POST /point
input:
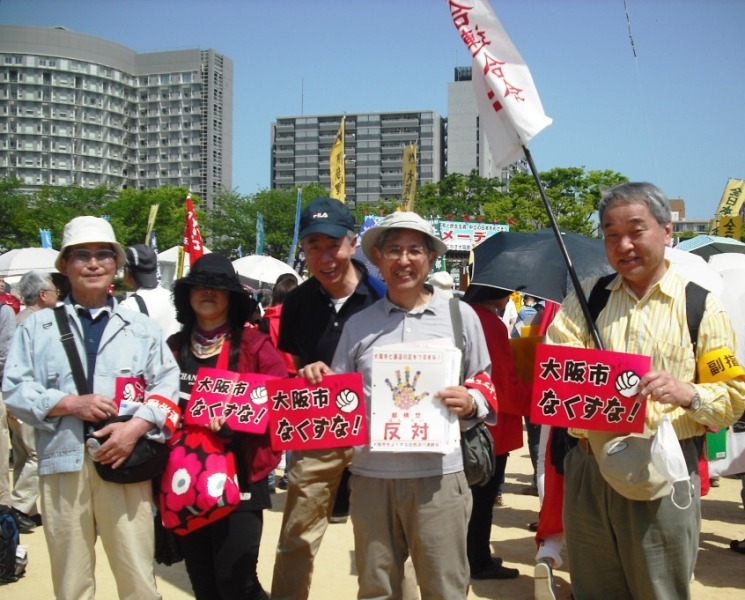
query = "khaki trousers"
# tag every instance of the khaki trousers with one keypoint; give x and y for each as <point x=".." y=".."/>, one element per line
<point x="77" y="508"/>
<point x="25" y="467"/>
<point x="312" y="482"/>
<point x="426" y="518"/>
<point x="4" y="455"/>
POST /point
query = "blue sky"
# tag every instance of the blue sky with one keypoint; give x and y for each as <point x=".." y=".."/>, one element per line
<point x="674" y="115"/>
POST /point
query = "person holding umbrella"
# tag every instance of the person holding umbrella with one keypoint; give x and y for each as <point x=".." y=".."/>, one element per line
<point x="619" y="547"/>
<point x="514" y="401"/>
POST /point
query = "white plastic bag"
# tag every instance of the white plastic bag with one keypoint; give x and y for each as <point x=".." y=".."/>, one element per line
<point x="667" y="458"/>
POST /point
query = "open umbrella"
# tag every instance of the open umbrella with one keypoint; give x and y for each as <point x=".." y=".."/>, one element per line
<point x="259" y="270"/>
<point x="696" y="269"/>
<point x="16" y="263"/>
<point x="168" y="263"/>
<point x="531" y="262"/>
<point x="731" y="268"/>
<point x="708" y="245"/>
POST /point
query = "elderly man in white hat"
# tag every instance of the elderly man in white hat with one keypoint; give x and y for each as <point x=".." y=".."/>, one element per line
<point x="119" y="350"/>
<point x="411" y="503"/>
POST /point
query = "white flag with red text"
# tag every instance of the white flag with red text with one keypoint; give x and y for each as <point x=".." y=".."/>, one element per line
<point x="510" y="110"/>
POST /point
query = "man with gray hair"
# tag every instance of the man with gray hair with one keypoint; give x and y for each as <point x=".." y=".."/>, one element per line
<point x="411" y="503"/>
<point x="313" y="317"/>
<point x="37" y="292"/>
<point x="120" y="350"/>
<point x="619" y="546"/>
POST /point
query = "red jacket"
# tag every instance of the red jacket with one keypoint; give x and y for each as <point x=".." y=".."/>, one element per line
<point x="513" y="395"/>
<point x="257" y="355"/>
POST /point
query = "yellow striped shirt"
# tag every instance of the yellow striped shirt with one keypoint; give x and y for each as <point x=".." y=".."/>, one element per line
<point x="656" y="326"/>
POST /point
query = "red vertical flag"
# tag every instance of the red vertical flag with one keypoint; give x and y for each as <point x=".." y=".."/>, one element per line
<point x="193" y="245"/>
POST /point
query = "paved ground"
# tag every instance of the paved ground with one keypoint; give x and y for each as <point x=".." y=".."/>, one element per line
<point x="720" y="573"/>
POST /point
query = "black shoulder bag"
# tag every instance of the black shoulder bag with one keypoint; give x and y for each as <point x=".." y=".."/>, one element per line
<point x="476" y="443"/>
<point x="148" y="458"/>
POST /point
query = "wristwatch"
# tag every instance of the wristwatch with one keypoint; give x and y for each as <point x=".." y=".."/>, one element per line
<point x="695" y="402"/>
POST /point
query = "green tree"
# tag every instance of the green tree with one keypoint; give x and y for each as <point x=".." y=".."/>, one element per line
<point x="17" y="228"/>
<point x="458" y="195"/>
<point x="232" y="221"/>
<point x="130" y="210"/>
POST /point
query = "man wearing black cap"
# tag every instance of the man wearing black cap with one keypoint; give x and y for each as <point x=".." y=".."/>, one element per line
<point x="313" y="316"/>
<point x="141" y="274"/>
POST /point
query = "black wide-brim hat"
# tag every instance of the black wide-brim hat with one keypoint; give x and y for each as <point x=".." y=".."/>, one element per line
<point x="216" y="272"/>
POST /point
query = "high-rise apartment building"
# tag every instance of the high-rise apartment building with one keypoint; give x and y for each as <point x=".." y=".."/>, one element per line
<point x="374" y="144"/>
<point x="467" y="146"/>
<point x="77" y="109"/>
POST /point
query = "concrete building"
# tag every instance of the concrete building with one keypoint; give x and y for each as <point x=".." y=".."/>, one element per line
<point x="77" y="109"/>
<point x="467" y="147"/>
<point x="679" y="221"/>
<point x="374" y="144"/>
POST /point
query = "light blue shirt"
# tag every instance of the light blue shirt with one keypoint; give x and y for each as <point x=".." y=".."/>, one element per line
<point x="38" y="376"/>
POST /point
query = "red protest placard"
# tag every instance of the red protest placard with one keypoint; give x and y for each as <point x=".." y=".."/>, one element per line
<point x="239" y="397"/>
<point x="588" y="389"/>
<point x="304" y="416"/>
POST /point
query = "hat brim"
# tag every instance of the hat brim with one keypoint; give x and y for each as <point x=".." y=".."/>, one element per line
<point x="334" y="231"/>
<point x="484" y="293"/>
<point x="121" y="257"/>
<point x="371" y="236"/>
<point x="242" y="304"/>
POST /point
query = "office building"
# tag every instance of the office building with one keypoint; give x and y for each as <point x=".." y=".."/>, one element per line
<point x="77" y="109"/>
<point x="374" y="144"/>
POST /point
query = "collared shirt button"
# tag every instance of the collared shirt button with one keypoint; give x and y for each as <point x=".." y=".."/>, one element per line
<point x="408" y="330"/>
<point x="336" y="323"/>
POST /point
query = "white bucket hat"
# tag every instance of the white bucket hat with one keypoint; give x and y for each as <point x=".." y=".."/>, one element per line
<point x="401" y="220"/>
<point x="89" y="230"/>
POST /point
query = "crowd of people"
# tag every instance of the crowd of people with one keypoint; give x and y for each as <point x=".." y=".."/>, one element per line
<point x="70" y="360"/>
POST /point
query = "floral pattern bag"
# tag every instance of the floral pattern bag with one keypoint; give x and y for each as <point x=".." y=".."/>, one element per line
<point x="199" y="485"/>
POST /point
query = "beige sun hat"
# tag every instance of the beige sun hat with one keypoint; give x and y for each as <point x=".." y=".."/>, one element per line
<point x="89" y="230"/>
<point x="401" y="220"/>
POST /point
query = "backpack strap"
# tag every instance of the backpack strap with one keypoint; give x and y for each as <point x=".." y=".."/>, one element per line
<point x="695" y="307"/>
<point x="68" y="343"/>
<point x="599" y="296"/>
<point x="695" y="304"/>
<point x="141" y="304"/>
<point x="457" y="321"/>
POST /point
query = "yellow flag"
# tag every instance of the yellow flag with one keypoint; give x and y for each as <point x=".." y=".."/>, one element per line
<point x="338" y="175"/>
<point x="151" y="222"/>
<point x="408" y="189"/>
<point x="730" y="204"/>
<point x="730" y="227"/>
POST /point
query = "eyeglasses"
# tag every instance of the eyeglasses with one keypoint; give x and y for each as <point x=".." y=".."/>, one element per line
<point x="396" y="252"/>
<point x="55" y="292"/>
<point x="84" y="255"/>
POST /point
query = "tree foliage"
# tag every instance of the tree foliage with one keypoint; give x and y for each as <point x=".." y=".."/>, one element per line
<point x="573" y="194"/>
<point x="232" y="222"/>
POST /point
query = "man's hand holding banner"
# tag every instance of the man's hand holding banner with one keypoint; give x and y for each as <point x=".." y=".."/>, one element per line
<point x="305" y="416"/>
<point x="588" y="389"/>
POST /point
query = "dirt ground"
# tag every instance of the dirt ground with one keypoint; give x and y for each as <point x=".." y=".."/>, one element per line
<point x="720" y="573"/>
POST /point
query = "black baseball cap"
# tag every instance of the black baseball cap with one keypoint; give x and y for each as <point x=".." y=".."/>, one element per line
<point x="327" y="216"/>
<point x="142" y="261"/>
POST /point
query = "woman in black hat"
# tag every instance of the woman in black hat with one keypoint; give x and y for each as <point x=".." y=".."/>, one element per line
<point x="214" y="309"/>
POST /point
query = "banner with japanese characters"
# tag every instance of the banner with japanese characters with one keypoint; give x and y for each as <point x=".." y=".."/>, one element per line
<point x="588" y="389"/>
<point x="239" y="397"/>
<point x="510" y="111"/>
<point x="305" y="416"/>
<point x="405" y="414"/>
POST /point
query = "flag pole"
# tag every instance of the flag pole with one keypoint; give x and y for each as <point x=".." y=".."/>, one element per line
<point x="567" y="259"/>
